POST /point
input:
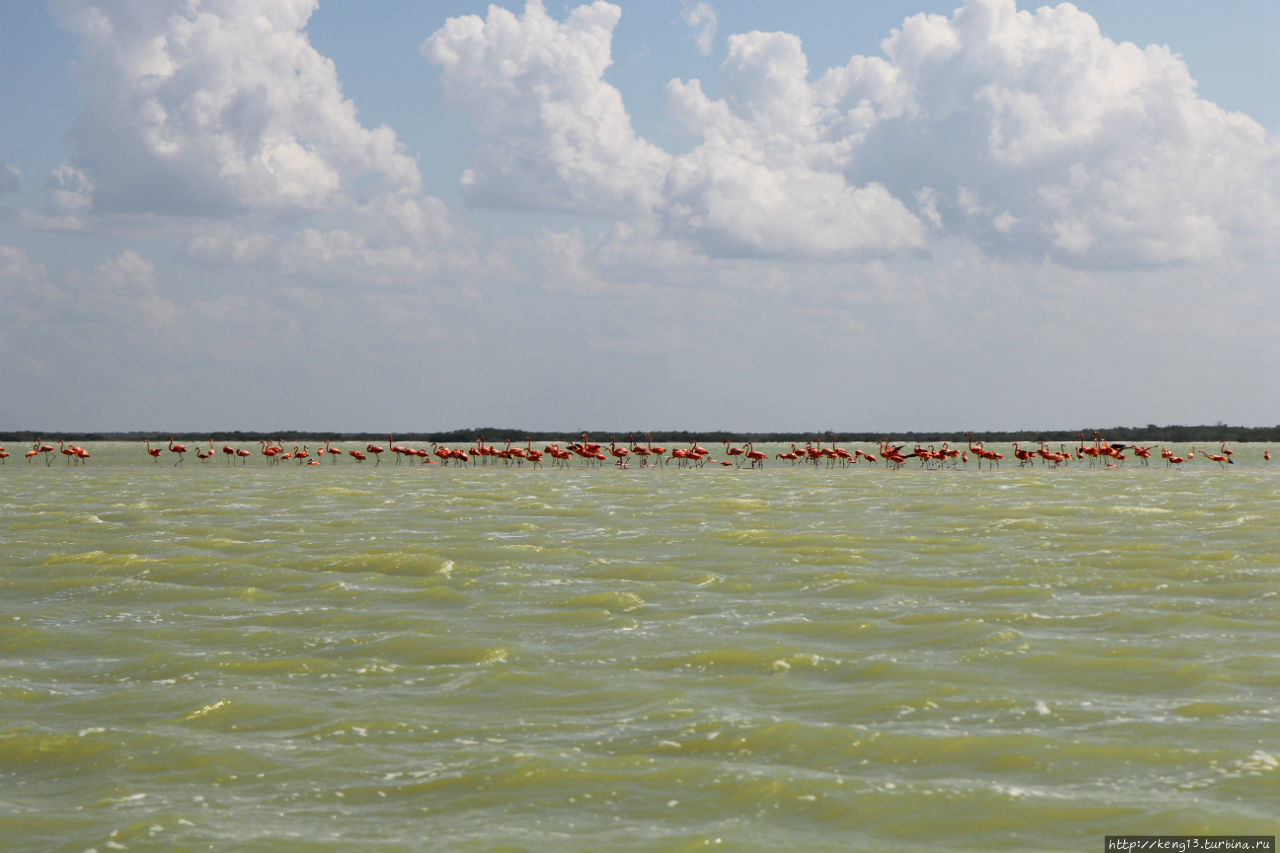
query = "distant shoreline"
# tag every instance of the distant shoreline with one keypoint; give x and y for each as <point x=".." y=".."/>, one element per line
<point x="1151" y="432"/>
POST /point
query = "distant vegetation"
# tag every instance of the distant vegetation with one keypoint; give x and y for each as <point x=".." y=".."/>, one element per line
<point x="1151" y="432"/>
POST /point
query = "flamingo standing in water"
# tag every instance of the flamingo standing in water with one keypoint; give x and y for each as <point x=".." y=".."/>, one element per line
<point x="154" y="451"/>
<point x="620" y="454"/>
<point x="46" y="449"/>
<point x="534" y="456"/>
<point x="333" y="452"/>
<point x="1222" y="460"/>
<point x="204" y="456"/>
<point x="4" y="454"/>
<point x="637" y="450"/>
<point x="244" y="456"/>
<point x="658" y="451"/>
<point x="229" y="452"/>
<point x="733" y="451"/>
<point x="271" y="451"/>
<point x="178" y="449"/>
<point x="377" y="450"/>
<point x="398" y="449"/>
<point x="757" y="457"/>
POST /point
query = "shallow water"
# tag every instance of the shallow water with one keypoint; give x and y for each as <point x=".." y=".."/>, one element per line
<point x="346" y="657"/>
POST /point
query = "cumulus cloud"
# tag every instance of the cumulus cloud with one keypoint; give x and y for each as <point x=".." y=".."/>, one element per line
<point x="123" y="290"/>
<point x="767" y="179"/>
<point x="217" y="106"/>
<point x="10" y="178"/>
<point x="701" y="18"/>
<point x="553" y="134"/>
<point x="1035" y="134"/>
<point x="17" y="270"/>
<point x="1026" y="133"/>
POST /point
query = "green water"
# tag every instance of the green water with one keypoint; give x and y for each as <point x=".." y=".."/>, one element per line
<point x="407" y="658"/>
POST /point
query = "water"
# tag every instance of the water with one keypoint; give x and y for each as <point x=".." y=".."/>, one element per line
<point x="395" y="658"/>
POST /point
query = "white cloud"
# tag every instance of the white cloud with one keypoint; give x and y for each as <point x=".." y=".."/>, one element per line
<point x="346" y="254"/>
<point x="218" y="106"/>
<point x="228" y="247"/>
<point x="1102" y="153"/>
<point x="17" y="270"/>
<point x="766" y="179"/>
<point x="553" y="134"/>
<point x="10" y="178"/>
<point x="701" y="18"/>
<point x="1027" y="133"/>
<point x="122" y="291"/>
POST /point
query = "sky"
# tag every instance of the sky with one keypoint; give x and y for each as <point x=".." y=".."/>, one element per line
<point x="739" y="215"/>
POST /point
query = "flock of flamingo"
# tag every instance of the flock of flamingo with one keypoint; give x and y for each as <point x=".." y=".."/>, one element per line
<point x="1098" y="453"/>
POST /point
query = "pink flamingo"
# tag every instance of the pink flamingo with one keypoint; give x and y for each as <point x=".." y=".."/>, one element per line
<point x="46" y="449"/>
<point x="618" y="453"/>
<point x="178" y="449"/>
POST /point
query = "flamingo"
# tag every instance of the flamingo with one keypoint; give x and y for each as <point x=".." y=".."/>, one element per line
<point x="559" y="454"/>
<point x="534" y="456"/>
<point x="733" y="451"/>
<point x="619" y="453"/>
<point x="659" y="451"/>
<point x="229" y="452"/>
<point x="757" y="457"/>
<point x="377" y="450"/>
<point x="991" y="457"/>
<point x="356" y="455"/>
<point x="4" y="454"/>
<point x="637" y="450"/>
<point x="178" y="449"/>
<point x="154" y="451"/>
<point x="1023" y="456"/>
<point x="1092" y="452"/>
<point x="46" y="449"/>
<point x="68" y="452"/>
<point x="1222" y="460"/>
<point x="271" y="451"/>
<point x="244" y="455"/>
<point x="333" y="452"/>
<point x="840" y="453"/>
<point x="204" y="456"/>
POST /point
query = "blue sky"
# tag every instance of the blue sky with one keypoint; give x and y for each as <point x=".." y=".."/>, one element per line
<point x="668" y="215"/>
